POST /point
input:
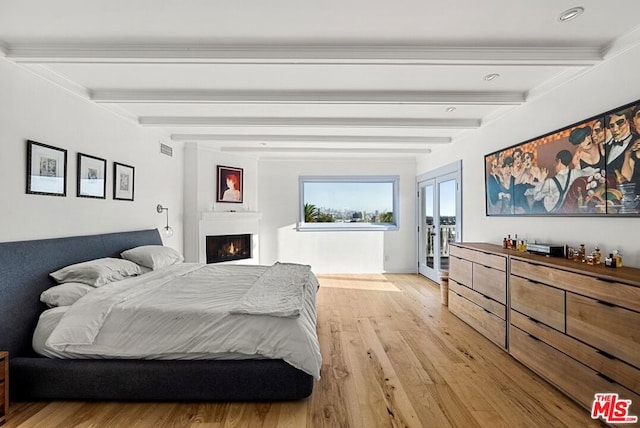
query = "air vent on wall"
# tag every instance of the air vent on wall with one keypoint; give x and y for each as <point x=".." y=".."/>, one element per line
<point x="166" y="150"/>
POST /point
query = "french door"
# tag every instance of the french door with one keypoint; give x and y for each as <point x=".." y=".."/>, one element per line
<point x="439" y="216"/>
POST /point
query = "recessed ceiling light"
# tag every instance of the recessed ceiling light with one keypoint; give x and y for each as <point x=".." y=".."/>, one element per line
<point x="570" y="14"/>
<point x="450" y="109"/>
<point x="490" y="77"/>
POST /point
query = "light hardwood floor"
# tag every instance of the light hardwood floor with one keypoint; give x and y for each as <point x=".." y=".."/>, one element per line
<point x="393" y="356"/>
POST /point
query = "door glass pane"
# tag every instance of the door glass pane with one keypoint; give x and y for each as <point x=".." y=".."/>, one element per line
<point x="427" y="225"/>
<point x="447" y="204"/>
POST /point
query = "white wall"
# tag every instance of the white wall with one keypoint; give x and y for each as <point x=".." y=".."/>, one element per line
<point x="200" y="190"/>
<point x="33" y="108"/>
<point x="606" y="86"/>
<point x="333" y="252"/>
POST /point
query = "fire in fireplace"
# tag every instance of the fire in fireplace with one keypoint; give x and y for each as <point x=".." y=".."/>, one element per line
<point x="223" y="248"/>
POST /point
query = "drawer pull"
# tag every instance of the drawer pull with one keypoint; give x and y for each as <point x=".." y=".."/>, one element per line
<point x="609" y="281"/>
<point x="607" y="378"/>
<point x="611" y="305"/>
<point x="533" y="320"/>
<point x="533" y="337"/>
<point x="486" y="310"/>
<point x="606" y="355"/>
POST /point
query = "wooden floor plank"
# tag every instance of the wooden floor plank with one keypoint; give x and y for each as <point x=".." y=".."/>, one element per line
<point x="392" y="356"/>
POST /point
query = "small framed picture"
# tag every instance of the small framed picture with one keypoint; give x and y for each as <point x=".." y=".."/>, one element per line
<point x="123" y="181"/>
<point x="46" y="169"/>
<point x="91" y="174"/>
<point x="229" y="184"/>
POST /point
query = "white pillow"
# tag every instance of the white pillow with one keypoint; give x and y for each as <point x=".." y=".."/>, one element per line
<point x="153" y="256"/>
<point x="98" y="272"/>
<point x="64" y="294"/>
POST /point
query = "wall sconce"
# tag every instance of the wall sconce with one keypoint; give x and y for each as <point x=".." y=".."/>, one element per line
<point x="166" y="231"/>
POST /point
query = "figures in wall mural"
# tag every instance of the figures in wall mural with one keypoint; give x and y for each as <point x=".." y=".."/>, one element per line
<point x="590" y="168"/>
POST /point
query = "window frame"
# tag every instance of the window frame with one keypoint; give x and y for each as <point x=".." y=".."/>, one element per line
<point x="393" y="179"/>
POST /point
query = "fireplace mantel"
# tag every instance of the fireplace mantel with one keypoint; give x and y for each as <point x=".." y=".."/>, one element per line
<point x="230" y="215"/>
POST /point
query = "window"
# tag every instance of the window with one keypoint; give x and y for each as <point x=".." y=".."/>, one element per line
<point x="349" y="203"/>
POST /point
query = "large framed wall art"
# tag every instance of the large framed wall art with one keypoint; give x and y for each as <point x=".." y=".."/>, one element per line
<point x="591" y="168"/>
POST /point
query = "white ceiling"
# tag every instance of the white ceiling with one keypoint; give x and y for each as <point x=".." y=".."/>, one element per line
<point x="292" y="76"/>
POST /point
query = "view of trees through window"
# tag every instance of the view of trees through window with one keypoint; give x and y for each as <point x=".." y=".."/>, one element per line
<point x="353" y="201"/>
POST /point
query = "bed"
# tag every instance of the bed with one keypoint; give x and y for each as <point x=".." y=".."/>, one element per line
<point x="24" y="274"/>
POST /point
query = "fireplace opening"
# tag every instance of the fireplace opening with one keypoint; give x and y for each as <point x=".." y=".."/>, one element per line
<point x="224" y="248"/>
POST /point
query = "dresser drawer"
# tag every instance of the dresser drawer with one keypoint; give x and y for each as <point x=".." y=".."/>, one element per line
<point x="611" y="329"/>
<point x="461" y="271"/>
<point x="621" y="372"/>
<point x="605" y="290"/>
<point x="487" y="259"/>
<point x="492" y="306"/>
<point x="490" y="282"/>
<point x="539" y="301"/>
<point x="575" y="379"/>
<point x="488" y="324"/>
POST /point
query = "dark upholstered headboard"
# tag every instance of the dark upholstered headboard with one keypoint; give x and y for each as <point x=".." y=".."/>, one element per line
<point x="24" y="274"/>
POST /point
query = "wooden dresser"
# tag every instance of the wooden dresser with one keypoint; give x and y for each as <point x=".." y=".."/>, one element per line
<point x="575" y="325"/>
<point x="478" y="289"/>
<point x="4" y="386"/>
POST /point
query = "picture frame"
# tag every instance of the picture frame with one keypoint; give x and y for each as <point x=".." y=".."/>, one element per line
<point x="589" y="168"/>
<point x="91" y="177"/>
<point x="123" y="182"/>
<point x="230" y="184"/>
<point x="46" y="169"/>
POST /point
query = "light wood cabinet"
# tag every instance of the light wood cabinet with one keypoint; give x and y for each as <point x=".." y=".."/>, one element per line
<point x="568" y="374"/>
<point x="490" y="282"/>
<point x="486" y="323"/>
<point x="573" y="324"/>
<point x="612" y="329"/>
<point x="478" y="290"/>
<point x="576" y="325"/>
<point x="538" y="301"/>
<point x="461" y="271"/>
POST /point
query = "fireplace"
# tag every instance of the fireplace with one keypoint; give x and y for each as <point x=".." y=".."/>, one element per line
<point x="224" y="248"/>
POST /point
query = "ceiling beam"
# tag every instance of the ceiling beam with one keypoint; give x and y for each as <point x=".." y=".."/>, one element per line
<point x="355" y="122"/>
<point x="288" y="54"/>
<point x="309" y="97"/>
<point x="310" y="138"/>
<point x="325" y="150"/>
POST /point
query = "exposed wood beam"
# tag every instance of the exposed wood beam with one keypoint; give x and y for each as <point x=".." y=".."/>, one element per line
<point x="306" y="54"/>
<point x="310" y="138"/>
<point x="325" y="150"/>
<point x="309" y="97"/>
<point x="355" y="122"/>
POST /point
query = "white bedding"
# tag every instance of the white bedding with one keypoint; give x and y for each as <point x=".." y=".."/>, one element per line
<point x="183" y="312"/>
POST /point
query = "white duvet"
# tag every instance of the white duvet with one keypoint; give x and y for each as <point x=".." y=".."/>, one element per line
<point x="183" y="312"/>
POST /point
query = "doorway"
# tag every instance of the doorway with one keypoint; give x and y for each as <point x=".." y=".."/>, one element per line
<point x="439" y="217"/>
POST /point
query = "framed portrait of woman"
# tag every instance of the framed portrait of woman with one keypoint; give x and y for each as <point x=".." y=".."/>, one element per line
<point x="230" y="182"/>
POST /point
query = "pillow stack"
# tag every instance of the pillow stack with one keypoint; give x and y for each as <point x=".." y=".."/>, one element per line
<point x="74" y="281"/>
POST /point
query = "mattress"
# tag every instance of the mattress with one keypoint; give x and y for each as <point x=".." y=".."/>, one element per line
<point x="181" y="311"/>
